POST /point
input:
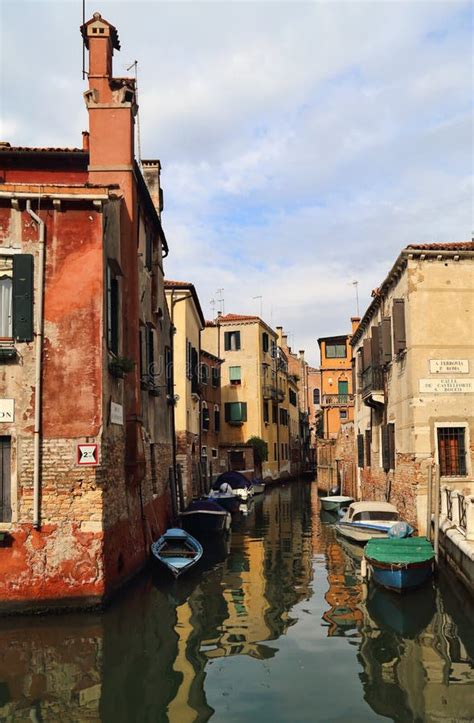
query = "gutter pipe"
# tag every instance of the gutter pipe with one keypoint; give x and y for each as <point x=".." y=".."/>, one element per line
<point x="38" y="366"/>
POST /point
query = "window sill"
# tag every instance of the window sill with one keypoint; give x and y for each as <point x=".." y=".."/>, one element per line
<point x="8" y="351"/>
<point x="235" y="424"/>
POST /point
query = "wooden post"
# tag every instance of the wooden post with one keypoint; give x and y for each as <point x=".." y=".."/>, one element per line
<point x="180" y="487"/>
<point x="436" y="512"/>
<point x="210" y="478"/>
<point x="174" y="506"/>
<point x="429" y="502"/>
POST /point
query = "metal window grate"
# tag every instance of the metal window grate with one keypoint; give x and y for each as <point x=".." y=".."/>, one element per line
<point x="452" y="451"/>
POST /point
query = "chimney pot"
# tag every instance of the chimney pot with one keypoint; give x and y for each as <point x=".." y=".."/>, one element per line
<point x="85" y="140"/>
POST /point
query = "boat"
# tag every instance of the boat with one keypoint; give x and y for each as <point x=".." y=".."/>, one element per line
<point x="400" y="564"/>
<point x="177" y="550"/>
<point x="335" y="502"/>
<point x="258" y="487"/>
<point x="364" y="521"/>
<point x="233" y="482"/>
<point x="205" y="517"/>
<point x="227" y="500"/>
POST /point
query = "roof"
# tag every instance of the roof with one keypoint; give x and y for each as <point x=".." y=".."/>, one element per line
<point x="210" y="356"/>
<point x="5" y="147"/>
<point x="183" y="286"/>
<point x="333" y="336"/>
<point x="55" y="190"/>
<point x="409" y="252"/>
<point x="238" y="317"/>
<point x="113" y="31"/>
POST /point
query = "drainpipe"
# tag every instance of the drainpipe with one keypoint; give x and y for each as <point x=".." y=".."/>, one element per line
<point x="38" y="366"/>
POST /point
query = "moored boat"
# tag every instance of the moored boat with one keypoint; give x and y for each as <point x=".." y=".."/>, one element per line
<point x="227" y="500"/>
<point x="400" y="564"/>
<point x="258" y="487"/>
<point x="177" y="550"/>
<point x="335" y="502"/>
<point x="364" y="521"/>
<point x="235" y="483"/>
<point x="205" y="517"/>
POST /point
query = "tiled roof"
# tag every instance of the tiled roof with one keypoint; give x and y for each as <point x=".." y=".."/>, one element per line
<point x="238" y="317"/>
<point x="7" y="148"/>
<point x="169" y="284"/>
<point x="454" y="246"/>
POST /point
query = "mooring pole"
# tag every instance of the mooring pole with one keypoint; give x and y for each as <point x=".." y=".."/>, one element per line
<point x="429" y="502"/>
<point x="436" y="513"/>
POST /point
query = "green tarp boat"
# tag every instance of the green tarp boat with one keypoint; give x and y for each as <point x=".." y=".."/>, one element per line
<point x="400" y="564"/>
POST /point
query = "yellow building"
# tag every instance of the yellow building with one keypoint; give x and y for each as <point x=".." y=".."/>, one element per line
<point x="254" y="387"/>
<point x="188" y="321"/>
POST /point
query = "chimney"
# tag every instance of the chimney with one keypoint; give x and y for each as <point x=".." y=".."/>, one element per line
<point x="355" y="320"/>
<point x="151" y="173"/>
<point x="111" y="105"/>
<point x="85" y="140"/>
<point x="279" y="331"/>
<point x="301" y="354"/>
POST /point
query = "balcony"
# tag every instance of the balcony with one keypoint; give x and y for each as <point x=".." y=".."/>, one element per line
<point x="337" y="400"/>
<point x="272" y="392"/>
<point x="373" y="392"/>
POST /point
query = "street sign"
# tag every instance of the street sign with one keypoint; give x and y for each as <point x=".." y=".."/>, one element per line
<point x="88" y="455"/>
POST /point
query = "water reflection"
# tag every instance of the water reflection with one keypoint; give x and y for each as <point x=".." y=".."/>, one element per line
<point x="280" y="604"/>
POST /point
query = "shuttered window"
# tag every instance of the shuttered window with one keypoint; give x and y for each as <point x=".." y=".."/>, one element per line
<point x="169" y="370"/>
<point x="368" y="442"/>
<point x="217" y="419"/>
<point x="216" y="376"/>
<point x="194" y="371"/>
<point x="360" y="450"/>
<point x="22" y="301"/>
<point x="6" y="326"/>
<point x="112" y="311"/>
<point x="265" y="341"/>
<point x="367" y="354"/>
<point x="235" y="375"/>
<point x="205" y="417"/>
<point x="388" y="446"/>
<point x="399" y="335"/>
<point x="5" y="479"/>
<point x="375" y="346"/>
<point x="316" y="396"/>
<point x="232" y="340"/>
<point x="266" y="414"/>
<point x="235" y="412"/>
<point x="386" y="340"/>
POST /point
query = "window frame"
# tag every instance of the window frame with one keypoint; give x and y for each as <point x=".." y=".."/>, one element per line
<point x="467" y="441"/>
<point x="228" y="337"/>
<point x="335" y="355"/>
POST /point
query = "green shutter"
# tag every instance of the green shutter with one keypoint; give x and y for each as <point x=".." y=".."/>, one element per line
<point x="22" y="301"/>
<point x="235" y="374"/>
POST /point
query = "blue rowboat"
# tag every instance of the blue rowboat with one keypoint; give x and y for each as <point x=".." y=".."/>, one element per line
<point x="205" y="517"/>
<point x="177" y="550"/>
<point x="400" y="564"/>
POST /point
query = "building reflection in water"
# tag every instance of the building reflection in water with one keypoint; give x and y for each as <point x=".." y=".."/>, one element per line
<point x="415" y="663"/>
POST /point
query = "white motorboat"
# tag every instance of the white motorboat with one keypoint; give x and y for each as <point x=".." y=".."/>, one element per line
<point x="364" y="521"/>
<point x="333" y="503"/>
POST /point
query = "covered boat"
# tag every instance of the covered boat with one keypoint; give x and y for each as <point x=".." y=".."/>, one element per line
<point x="335" y="502"/>
<point x="177" y="550"/>
<point x="364" y="521"/>
<point x="233" y="481"/>
<point x="400" y="564"/>
<point x="205" y="517"/>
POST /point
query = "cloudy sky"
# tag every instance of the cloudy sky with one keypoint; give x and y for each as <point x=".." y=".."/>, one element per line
<point x="303" y="144"/>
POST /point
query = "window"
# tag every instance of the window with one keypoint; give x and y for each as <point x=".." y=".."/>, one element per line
<point x="204" y="452"/>
<point x="204" y="374"/>
<point x="168" y="370"/>
<point x="214" y="453"/>
<point x="343" y="414"/>
<point x="286" y="450"/>
<point x="388" y="446"/>
<point x="189" y="360"/>
<point x="274" y="414"/>
<point x="235" y="375"/>
<point x="292" y="397"/>
<point x="236" y="412"/>
<point x="150" y="354"/>
<point x="232" y="340"/>
<point x="368" y="442"/>
<point x="360" y="450"/>
<point x="112" y="311"/>
<point x="282" y="451"/>
<point x="283" y="417"/>
<point x="205" y="417"/>
<point x="316" y="396"/>
<point x="216" y="376"/>
<point x="335" y="351"/>
<point x="399" y="335"/>
<point x="5" y="479"/>
<point x="217" y="418"/>
<point x="6" y="325"/>
<point x="452" y="451"/>
<point x="266" y="414"/>
<point x="265" y="341"/>
<point x="194" y="371"/>
<point x="275" y="451"/>
<point x="342" y="391"/>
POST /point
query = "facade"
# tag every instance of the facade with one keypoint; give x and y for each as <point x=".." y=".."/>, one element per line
<point x="314" y="402"/>
<point x="254" y="388"/>
<point x="336" y="394"/>
<point x="85" y="431"/>
<point x="210" y="375"/>
<point x="187" y="321"/>
<point x="414" y="353"/>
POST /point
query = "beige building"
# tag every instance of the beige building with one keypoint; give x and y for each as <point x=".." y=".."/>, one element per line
<point x="188" y="321"/>
<point x="254" y="388"/>
<point x="414" y="363"/>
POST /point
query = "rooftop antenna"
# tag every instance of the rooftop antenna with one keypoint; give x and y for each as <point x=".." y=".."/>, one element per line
<point x="220" y="299"/>
<point x="261" y="304"/>
<point x="134" y="65"/>
<point x="84" y="41"/>
<point x="212" y="304"/>
<point x="355" y="284"/>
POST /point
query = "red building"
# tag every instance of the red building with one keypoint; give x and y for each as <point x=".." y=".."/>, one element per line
<point x="85" y="414"/>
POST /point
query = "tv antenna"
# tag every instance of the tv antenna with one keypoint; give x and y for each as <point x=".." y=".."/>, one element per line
<point x="134" y="65"/>
<point x="355" y="284"/>
<point x="261" y="304"/>
<point x="220" y="299"/>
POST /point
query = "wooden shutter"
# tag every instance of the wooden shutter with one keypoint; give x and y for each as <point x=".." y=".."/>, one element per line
<point x="367" y="354"/>
<point x="194" y="370"/>
<point x="5" y="479"/>
<point x="375" y="345"/>
<point x="227" y="340"/>
<point x="360" y="450"/>
<point x="368" y="441"/>
<point x="391" y="445"/>
<point x="22" y="299"/>
<point x="217" y="420"/>
<point x="399" y="335"/>
<point x="385" y="448"/>
<point x="386" y="329"/>
<point x="359" y="367"/>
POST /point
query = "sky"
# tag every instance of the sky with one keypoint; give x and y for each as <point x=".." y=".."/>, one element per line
<point x="303" y="144"/>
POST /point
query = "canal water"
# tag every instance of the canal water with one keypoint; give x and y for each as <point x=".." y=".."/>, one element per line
<point x="275" y="626"/>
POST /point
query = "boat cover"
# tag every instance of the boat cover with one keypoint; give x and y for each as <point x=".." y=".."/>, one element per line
<point x="206" y="505"/>
<point x="235" y="479"/>
<point x="399" y="552"/>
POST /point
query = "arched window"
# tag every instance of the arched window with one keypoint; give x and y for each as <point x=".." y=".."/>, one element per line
<point x="316" y="396"/>
<point x="217" y="418"/>
<point x="205" y="417"/>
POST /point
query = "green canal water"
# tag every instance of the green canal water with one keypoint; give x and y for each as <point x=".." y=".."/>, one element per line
<point x="275" y="626"/>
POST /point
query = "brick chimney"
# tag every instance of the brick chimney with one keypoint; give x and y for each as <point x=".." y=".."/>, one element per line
<point x="355" y="320"/>
<point x="110" y="101"/>
<point x="152" y="174"/>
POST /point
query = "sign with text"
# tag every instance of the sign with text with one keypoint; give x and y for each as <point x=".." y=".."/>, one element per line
<point x="449" y="366"/>
<point x="7" y="410"/>
<point x="88" y="455"/>
<point x="116" y="413"/>
<point x="447" y="385"/>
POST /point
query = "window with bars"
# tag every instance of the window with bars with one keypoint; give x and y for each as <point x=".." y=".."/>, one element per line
<point x="452" y="451"/>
